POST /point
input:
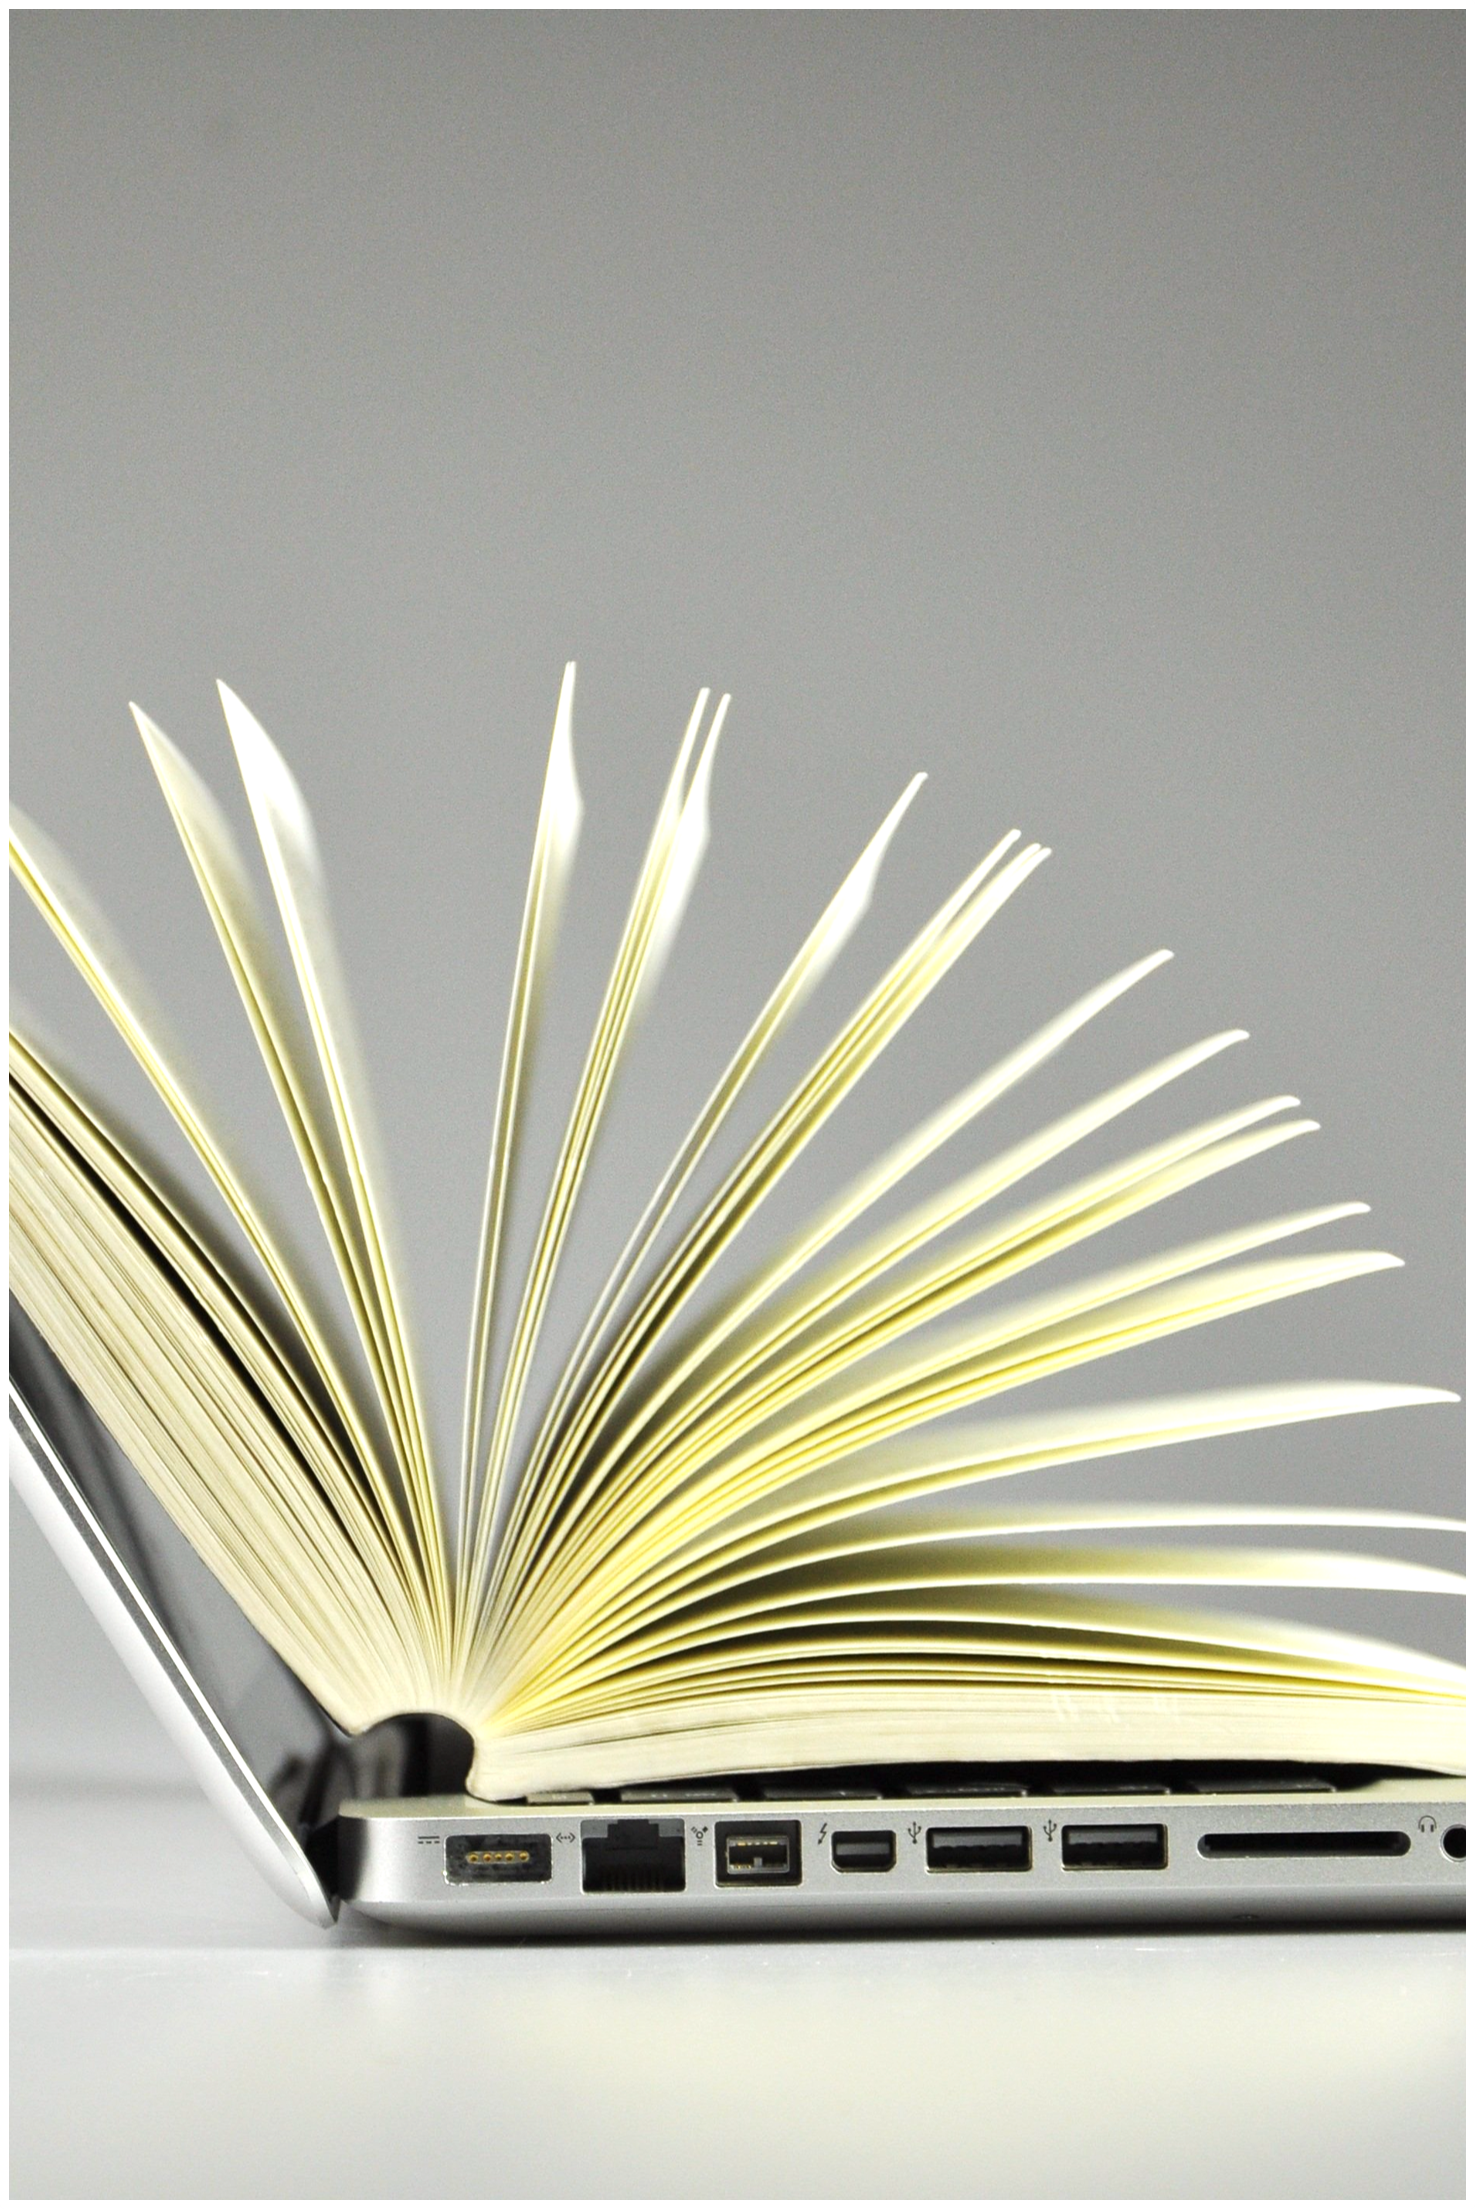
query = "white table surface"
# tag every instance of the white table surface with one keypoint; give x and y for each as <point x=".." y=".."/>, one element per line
<point x="177" y="2033"/>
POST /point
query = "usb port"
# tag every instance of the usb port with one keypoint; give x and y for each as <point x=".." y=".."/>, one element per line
<point x="497" y="1856"/>
<point x="863" y="1852"/>
<point x="978" y="1848"/>
<point x="1118" y="1848"/>
<point x="758" y="1852"/>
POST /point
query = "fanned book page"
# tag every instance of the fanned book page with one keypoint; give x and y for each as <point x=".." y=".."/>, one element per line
<point x="745" y="1532"/>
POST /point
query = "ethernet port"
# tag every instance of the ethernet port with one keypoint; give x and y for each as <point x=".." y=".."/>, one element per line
<point x="634" y="1856"/>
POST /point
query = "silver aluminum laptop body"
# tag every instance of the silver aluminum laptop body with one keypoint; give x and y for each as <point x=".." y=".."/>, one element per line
<point x="378" y="1824"/>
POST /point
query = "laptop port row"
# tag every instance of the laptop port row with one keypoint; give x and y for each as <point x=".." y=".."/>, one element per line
<point x="649" y="1855"/>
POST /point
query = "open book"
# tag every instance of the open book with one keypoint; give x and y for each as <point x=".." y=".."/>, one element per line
<point x="734" y="1537"/>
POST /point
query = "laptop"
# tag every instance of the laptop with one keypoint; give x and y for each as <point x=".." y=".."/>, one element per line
<point x="380" y="1825"/>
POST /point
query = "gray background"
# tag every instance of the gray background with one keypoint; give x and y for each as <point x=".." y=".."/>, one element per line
<point x="1065" y="404"/>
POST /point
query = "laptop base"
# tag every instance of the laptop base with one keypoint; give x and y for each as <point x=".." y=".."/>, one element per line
<point x="984" y="1855"/>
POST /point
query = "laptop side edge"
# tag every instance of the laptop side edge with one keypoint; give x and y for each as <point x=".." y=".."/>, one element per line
<point x="75" y="1533"/>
